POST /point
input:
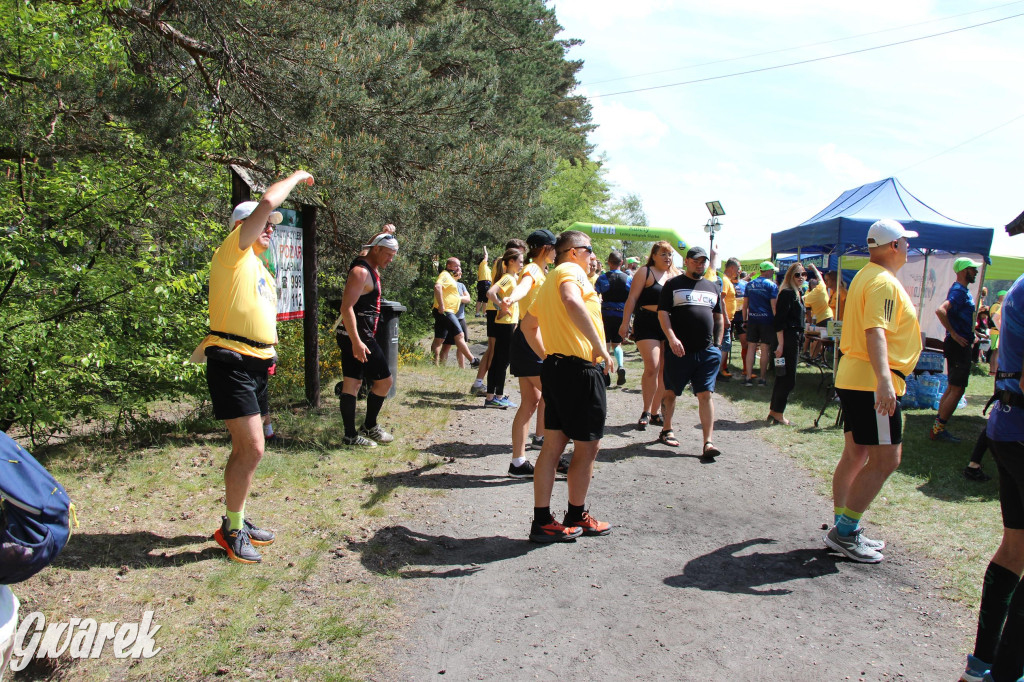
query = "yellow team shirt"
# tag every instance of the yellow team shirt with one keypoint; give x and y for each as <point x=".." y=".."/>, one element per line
<point x="834" y="304"/>
<point x="993" y="333"/>
<point x="243" y="300"/>
<point x="877" y="299"/>
<point x="505" y="286"/>
<point x="728" y="292"/>
<point x="817" y="300"/>
<point x="537" y="278"/>
<point x="559" y="333"/>
<point x="483" y="271"/>
<point x="593" y="278"/>
<point x="449" y="293"/>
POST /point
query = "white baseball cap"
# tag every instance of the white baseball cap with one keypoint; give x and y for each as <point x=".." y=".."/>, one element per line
<point x="887" y="230"/>
<point x="245" y="209"/>
<point x="386" y="240"/>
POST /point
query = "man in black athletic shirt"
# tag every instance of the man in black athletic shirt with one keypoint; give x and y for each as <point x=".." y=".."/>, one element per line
<point x="613" y="286"/>
<point x="691" y="315"/>
<point x="361" y="355"/>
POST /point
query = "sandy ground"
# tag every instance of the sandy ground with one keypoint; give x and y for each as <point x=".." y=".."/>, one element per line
<point x="713" y="571"/>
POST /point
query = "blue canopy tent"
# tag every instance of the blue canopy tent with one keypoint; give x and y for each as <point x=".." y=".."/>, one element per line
<point x="841" y="228"/>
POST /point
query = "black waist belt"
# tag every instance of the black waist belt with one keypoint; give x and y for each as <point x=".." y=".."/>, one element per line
<point x="571" y="359"/>
<point x="1005" y="398"/>
<point x="1007" y="375"/>
<point x="898" y="373"/>
<point x="242" y="339"/>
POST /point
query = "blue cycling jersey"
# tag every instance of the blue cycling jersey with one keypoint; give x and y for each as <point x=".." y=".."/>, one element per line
<point x="759" y="294"/>
<point x="960" y="311"/>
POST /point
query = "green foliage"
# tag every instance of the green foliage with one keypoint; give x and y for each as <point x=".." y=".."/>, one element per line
<point x="119" y="120"/>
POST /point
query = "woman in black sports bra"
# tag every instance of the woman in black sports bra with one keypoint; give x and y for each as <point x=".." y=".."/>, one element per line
<point x="650" y="340"/>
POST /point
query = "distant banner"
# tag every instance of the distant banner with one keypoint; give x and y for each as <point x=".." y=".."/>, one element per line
<point x="640" y="233"/>
<point x="935" y="282"/>
<point x="284" y="261"/>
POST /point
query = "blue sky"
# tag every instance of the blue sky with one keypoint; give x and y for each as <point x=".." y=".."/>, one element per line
<point x="776" y="147"/>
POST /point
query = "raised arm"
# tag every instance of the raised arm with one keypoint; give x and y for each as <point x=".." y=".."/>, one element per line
<point x="272" y="198"/>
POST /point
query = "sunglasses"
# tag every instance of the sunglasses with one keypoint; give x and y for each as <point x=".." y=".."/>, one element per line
<point x="801" y="274"/>
<point x="586" y="247"/>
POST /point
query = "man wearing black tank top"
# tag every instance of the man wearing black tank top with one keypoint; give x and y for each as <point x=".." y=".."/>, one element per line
<point x="361" y="356"/>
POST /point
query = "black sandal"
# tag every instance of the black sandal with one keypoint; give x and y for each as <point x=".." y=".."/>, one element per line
<point x="658" y="419"/>
<point x="710" y="451"/>
<point x="668" y="438"/>
<point x="645" y="419"/>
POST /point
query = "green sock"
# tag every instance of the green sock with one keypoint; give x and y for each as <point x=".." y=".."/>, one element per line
<point x="235" y="519"/>
<point x="837" y="512"/>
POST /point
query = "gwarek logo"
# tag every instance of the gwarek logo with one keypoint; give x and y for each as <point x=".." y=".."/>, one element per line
<point x="82" y="638"/>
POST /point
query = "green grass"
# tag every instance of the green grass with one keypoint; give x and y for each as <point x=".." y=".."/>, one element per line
<point x="927" y="504"/>
<point x="314" y="609"/>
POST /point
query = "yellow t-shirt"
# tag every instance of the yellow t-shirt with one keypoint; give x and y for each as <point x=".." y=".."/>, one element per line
<point x="593" y="278"/>
<point x="505" y="286"/>
<point x="243" y="300"/>
<point x="877" y="299"/>
<point x="537" y="278"/>
<point x="992" y="315"/>
<point x="838" y="310"/>
<point x="483" y="271"/>
<point x="559" y="333"/>
<point x="728" y="292"/>
<point x="817" y="300"/>
<point x="449" y="293"/>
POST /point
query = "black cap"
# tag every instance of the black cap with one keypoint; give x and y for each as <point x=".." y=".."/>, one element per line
<point x="696" y="252"/>
<point x="541" y="237"/>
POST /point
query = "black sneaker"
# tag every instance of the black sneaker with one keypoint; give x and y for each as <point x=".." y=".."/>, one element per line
<point x="524" y="470"/>
<point x="621" y="371"/>
<point x="563" y="466"/>
<point x="976" y="474"/>
<point x="258" y="536"/>
<point x="237" y="544"/>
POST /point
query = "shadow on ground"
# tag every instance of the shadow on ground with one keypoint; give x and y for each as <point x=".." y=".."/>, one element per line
<point x="133" y="550"/>
<point x="724" y="571"/>
<point x="442" y="480"/>
<point x="394" y="548"/>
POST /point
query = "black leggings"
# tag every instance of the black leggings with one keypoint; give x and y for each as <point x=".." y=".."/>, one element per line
<point x="784" y="384"/>
<point x="499" y="361"/>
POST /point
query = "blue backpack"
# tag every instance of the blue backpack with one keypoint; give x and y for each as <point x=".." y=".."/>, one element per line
<point x="35" y="514"/>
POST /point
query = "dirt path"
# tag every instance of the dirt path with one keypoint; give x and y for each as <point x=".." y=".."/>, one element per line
<point x="713" y="571"/>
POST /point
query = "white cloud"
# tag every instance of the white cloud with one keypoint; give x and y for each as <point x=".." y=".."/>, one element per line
<point x="623" y="127"/>
<point x="846" y="167"/>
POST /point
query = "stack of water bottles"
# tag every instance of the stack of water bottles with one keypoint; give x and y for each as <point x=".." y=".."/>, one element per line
<point x="924" y="391"/>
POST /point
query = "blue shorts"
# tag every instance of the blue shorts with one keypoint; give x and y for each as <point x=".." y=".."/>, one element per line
<point x="699" y="369"/>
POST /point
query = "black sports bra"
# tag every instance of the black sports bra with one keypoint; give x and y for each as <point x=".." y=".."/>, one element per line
<point x="650" y="295"/>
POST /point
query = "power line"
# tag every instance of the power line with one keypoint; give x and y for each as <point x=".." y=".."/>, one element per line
<point x="957" y="146"/>
<point x="800" y="47"/>
<point x="806" y="61"/>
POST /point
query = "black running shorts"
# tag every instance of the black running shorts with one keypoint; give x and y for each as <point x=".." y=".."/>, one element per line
<point x="611" y="328"/>
<point x="375" y="367"/>
<point x="1009" y="457"/>
<point x="646" y="326"/>
<point x="237" y="383"/>
<point x="524" y="362"/>
<point x="481" y="290"/>
<point x="739" y="327"/>
<point x="958" y="362"/>
<point x="446" y="326"/>
<point x="869" y="427"/>
<point x="761" y="332"/>
<point x="575" y="402"/>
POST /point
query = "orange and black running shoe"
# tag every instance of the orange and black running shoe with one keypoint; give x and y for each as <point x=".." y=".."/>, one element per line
<point x="590" y="525"/>
<point x="237" y="544"/>
<point x="553" y="531"/>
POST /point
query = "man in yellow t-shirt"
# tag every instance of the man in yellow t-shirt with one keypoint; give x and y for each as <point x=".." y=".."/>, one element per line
<point x="730" y="270"/>
<point x="563" y="326"/>
<point x="446" y="303"/>
<point x="880" y="344"/>
<point x="238" y="351"/>
<point x="483" y="283"/>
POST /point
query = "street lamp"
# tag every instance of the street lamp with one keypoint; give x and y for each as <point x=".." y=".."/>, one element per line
<point x="713" y="225"/>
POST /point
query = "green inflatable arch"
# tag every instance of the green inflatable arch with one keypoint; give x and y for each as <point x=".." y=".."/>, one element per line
<point x="638" y="233"/>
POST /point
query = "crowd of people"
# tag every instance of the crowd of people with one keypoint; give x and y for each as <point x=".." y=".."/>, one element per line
<point x="559" y="323"/>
